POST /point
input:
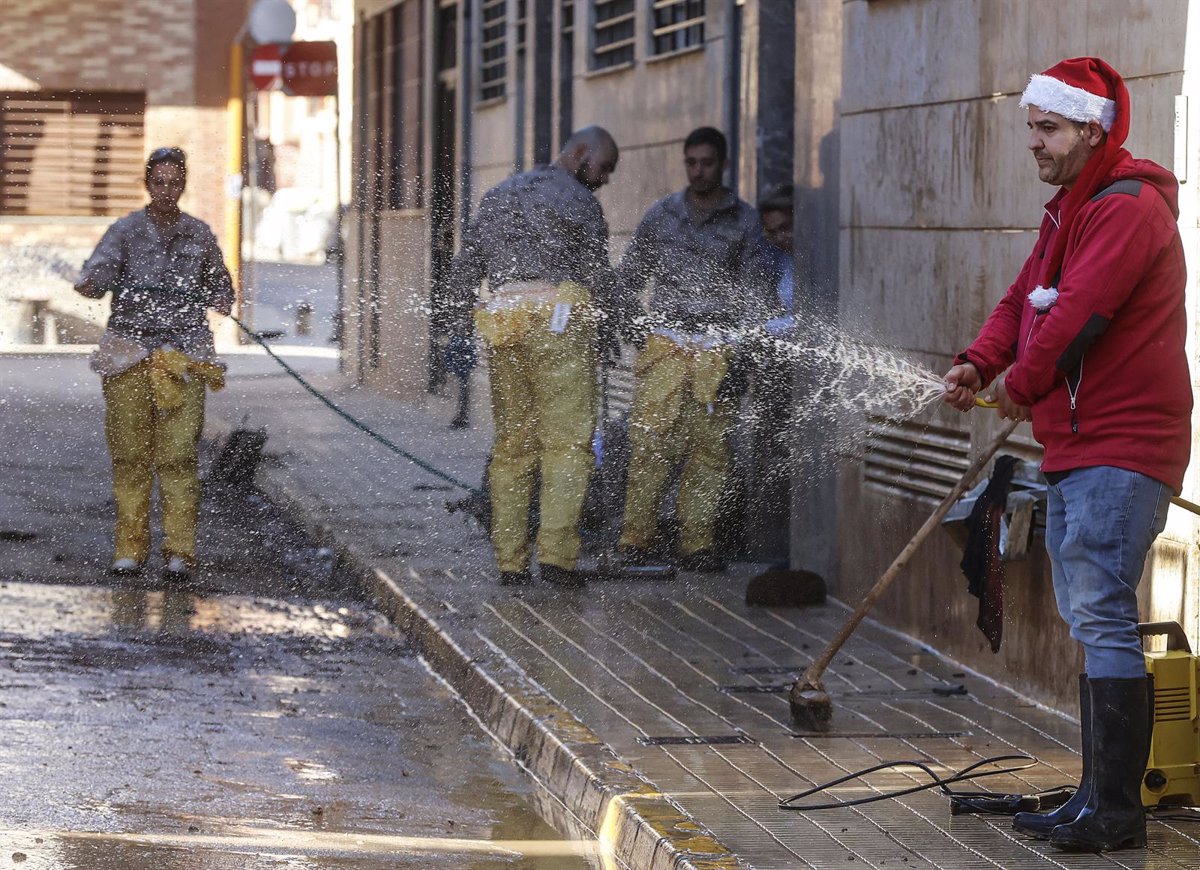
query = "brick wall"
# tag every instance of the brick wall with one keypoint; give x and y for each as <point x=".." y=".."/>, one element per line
<point x="175" y="51"/>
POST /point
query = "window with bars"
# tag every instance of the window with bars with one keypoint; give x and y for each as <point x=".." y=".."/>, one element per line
<point x="71" y="153"/>
<point x="447" y="38"/>
<point x="395" y="62"/>
<point x="566" y="71"/>
<point x="613" y="24"/>
<point x="493" y="49"/>
<point x="676" y="25"/>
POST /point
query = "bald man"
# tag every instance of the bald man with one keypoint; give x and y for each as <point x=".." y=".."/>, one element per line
<point x="540" y="240"/>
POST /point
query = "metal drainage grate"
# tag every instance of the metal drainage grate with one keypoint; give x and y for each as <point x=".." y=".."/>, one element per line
<point x="769" y="670"/>
<point x="697" y="740"/>
<point x="755" y="689"/>
<point x="897" y="735"/>
<point x="866" y="694"/>
<point x="870" y="694"/>
<point x="17" y="535"/>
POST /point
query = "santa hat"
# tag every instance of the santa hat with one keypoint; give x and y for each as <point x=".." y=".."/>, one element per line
<point x="1081" y="89"/>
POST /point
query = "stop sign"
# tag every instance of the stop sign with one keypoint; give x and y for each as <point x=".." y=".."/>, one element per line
<point x="266" y="64"/>
<point x="310" y="69"/>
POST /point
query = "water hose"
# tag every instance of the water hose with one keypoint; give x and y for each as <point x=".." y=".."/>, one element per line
<point x="351" y="419"/>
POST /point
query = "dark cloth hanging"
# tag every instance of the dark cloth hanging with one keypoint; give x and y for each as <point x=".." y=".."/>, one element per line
<point x="981" y="562"/>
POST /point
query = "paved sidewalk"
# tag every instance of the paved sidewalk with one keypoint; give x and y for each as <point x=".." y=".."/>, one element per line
<point x="600" y="694"/>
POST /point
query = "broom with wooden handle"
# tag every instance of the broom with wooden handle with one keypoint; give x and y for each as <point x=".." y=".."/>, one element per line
<point x="812" y="709"/>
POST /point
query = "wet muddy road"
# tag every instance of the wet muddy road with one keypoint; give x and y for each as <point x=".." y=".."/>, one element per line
<point x="265" y="719"/>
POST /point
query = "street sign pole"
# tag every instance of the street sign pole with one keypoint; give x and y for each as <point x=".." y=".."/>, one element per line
<point x="339" y="225"/>
<point x="235" y="124"/>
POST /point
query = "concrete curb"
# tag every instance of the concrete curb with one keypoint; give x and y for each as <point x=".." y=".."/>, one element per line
<point x="636" y="824"/>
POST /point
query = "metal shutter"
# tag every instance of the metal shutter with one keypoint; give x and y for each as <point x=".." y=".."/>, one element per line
<point x="71" y="153"/>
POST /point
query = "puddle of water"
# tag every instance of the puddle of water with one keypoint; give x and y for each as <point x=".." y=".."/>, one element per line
<point x="248" y="848"/>
<point x="344" y="728"/>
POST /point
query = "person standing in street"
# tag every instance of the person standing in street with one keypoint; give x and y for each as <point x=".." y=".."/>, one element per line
<point x="164" y="270"/>
<point x="1092" y="334"/>
<point x="553" y="300"/>
<point x="702" y="254"/>
<point x="776" y="210"/>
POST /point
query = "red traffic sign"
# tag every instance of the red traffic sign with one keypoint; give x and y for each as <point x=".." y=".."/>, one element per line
<point x="310" y="69"/>
<point x="266" y="65"/>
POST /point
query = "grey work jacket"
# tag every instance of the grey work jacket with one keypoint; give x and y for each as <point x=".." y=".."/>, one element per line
<point x="162" y="282"/>
<point x="711" y="272"/>
<point x="536" y="226"/>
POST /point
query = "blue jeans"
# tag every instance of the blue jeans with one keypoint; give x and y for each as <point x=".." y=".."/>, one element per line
<point x="1100" y="523"/>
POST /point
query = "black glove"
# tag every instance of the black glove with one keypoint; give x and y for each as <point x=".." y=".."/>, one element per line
<point x="460" y="356"/>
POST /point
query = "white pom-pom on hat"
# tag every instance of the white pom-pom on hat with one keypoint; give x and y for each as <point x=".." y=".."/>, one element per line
<point x="1042" y="298"/>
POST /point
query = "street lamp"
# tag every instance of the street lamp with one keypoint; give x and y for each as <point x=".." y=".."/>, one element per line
<point x="272" y="21"/>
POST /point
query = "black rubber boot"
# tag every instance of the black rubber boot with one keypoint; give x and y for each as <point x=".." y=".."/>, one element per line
<point x="704" y="562"/>
<point x="1113" y="817"/>
<point x="564" y="577"/>
<point x="1040" y="825"/>
<point x="516" y="578"/>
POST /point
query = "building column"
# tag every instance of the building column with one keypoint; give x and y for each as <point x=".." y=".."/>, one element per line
<point x="768" y="66"/>
<point x="818" y="87"/>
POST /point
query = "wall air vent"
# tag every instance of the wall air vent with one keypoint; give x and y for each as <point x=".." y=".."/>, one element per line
<point x="914" y="460"/>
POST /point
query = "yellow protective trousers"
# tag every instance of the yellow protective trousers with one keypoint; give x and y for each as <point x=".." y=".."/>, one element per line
<point x="678" y="415"/>
<point x="542" y="368"/>
<point x="154" y="412"/>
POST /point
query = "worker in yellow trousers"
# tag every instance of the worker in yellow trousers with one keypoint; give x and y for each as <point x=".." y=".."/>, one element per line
<point x="540" y="241"/>
<point x="702" y="254"/>
<point x="681" y="413"/>
<point x="544" y="409"/>
<point x="156" y="358"/>
<point x="154" y="413"/>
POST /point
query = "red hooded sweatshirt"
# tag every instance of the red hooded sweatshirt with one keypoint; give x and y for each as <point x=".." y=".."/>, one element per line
<point x="1103" y="366"/>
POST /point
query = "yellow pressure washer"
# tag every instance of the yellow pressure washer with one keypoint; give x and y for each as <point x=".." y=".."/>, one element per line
<point x="1173" y="771"/>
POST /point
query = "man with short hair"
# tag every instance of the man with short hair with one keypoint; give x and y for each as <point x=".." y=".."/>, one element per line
<point x="540" y="240"/>
<point x="701" y="252"/>
<point x="1092" y="335"/>
<point x="776" y="209"/>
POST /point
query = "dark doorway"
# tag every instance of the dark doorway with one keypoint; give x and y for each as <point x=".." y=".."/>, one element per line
<point x="444" y="186"/>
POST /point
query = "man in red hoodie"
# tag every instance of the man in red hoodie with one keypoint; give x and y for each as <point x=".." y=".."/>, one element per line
<point x="1092" y="336"/>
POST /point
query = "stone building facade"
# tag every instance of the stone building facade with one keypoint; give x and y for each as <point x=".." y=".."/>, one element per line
<point x="916" y="205"/>
<point x="452" y="96"/>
